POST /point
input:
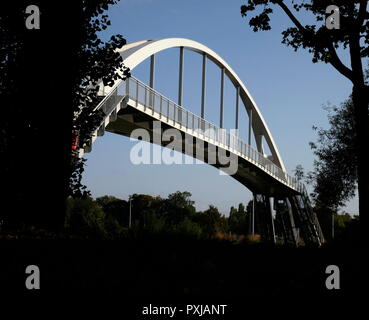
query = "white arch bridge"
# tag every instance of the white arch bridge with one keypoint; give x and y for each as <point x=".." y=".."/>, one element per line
<point x="130" y="104"/>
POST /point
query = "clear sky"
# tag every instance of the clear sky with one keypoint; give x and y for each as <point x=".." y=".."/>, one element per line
<point x="288" y="88"/>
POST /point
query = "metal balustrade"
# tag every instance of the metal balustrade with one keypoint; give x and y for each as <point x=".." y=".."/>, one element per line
<point x="154" y="102"/>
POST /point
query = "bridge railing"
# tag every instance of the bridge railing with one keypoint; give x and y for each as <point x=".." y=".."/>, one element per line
<point x="155" y="102"/>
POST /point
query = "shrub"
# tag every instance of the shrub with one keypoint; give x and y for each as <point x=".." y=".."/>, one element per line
<point x="85" y="217"/>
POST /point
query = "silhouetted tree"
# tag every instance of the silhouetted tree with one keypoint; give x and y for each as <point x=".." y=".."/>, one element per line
<point x="181" y="200"/>
<point x="211" y="221"/>
<point x="84" y="217"/>
<point x="47" y="75"/>
<point x="144" y="207"/>
<point x="322" y="43"/>
<point x="299" y="172"/>
<point x="178" y="206"/>
<point x="76" y="188"/>
<point x="115" y="208"/>
<point x="334" y="177"/>
<point x="238" y="220"/>
<point x="188" y="227"/>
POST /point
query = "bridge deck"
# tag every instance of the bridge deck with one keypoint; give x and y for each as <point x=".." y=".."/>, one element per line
<point x="249" y="173"/>
<point x="142" y="105"/>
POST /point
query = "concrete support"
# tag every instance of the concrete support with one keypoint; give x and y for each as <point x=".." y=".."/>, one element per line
<point x="221" y="98"/>
<point x="270" y="213"/>
<point x="263" y="212"/>
<point x="203" y="89"/>
<point x="295" y="231"/>
<point x="285" y="224"/>
<point x="253" y="215"/>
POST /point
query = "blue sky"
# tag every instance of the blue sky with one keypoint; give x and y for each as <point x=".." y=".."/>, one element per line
<point x="288" y="88"/>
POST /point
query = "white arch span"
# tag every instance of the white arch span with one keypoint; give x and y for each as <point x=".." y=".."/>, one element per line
<point x="135" y="53"/>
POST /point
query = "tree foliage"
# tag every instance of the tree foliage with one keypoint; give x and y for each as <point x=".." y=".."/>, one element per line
<point x="76" y="188"/>
<point x="335" y="171"/>
<point x="48" y="76"/>
<point x="108" y="217"/>
<point x="239" y="220"/>
<point x="211" y="221"/>
<point x="299" y="172"/>
<point x="316" y="38"/>
<point x="98" y="64"/>
<point x="322" y="43"/>
<point x="113" y="208"/>
<point x="85" y="217"/>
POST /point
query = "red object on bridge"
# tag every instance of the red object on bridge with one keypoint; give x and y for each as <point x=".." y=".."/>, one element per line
<point x="74" y="139"/>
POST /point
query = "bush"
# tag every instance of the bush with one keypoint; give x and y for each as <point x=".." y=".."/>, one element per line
<point x="85" y="217"/>
<point x="188" y="228"/>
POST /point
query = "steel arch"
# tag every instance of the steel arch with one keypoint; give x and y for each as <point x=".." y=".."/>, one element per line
<point x="135" y="53"/>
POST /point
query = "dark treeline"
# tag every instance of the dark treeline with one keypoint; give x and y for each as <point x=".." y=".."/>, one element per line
<point x="109" y="217"/>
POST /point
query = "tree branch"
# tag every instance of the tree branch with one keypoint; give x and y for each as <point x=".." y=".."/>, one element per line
<point x="362" y="12"/>
<point x="356" y="64"/>
<point x="337" y="63"/>
<point x="334" y="59"/>
<point x="291" y="16"/>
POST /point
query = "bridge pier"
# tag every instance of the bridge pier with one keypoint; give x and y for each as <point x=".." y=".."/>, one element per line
<point x="252" y="217"/>
<point x="284" y="222"/>
<point x="264" y="217"/>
